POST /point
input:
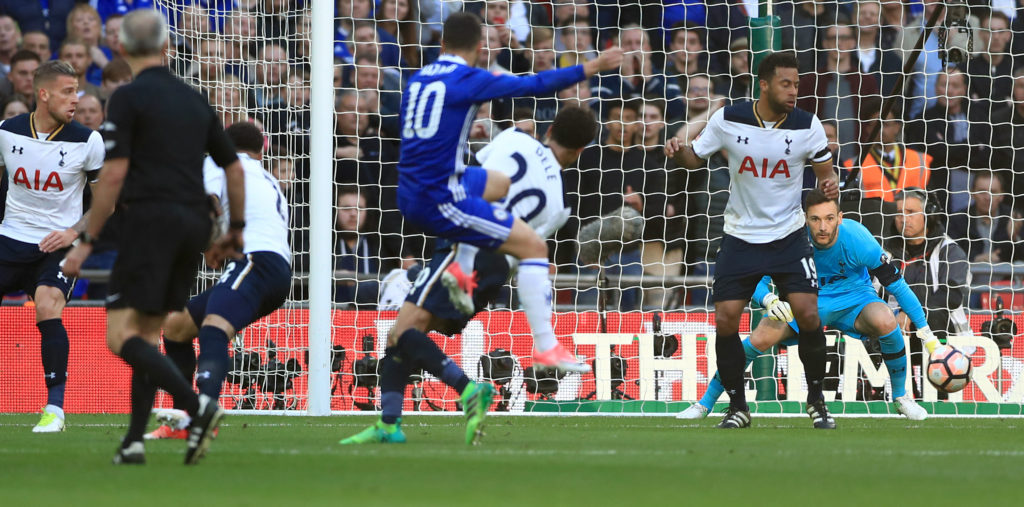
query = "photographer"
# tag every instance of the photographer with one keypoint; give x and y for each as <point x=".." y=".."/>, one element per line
<point x="933" y="265"/>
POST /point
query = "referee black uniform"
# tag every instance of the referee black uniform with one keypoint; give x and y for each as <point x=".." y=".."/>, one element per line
<point x="164" y="128"/>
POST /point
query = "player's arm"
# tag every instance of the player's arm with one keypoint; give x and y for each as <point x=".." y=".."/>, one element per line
<point x="682" y="155"/>
<point x="821" y="161"/>
<point x="223" y="154"/>
<point x="487" y="86"/>
<point x="698" y="144"/>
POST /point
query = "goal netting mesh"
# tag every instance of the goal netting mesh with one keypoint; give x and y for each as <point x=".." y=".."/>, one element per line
<point x="643" y="311"/>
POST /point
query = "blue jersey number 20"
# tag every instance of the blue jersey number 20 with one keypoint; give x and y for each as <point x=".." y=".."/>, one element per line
<point x="417" y="123"/>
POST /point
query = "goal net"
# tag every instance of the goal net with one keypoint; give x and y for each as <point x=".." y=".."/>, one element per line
<point x="641" y="311"/>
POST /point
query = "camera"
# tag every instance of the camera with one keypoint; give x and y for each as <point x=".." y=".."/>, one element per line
<point x="1000" y="329"/>
<point x="955" y="41"/>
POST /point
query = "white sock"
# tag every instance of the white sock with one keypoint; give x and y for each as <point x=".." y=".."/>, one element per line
<point x="54" y="409"/>
<point x="535" y="296"/>
<point x="465" y="255"/>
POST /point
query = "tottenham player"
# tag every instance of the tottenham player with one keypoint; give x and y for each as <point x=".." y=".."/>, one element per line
<point x="768" y="141"/>
<point x="48" y="158"/>
<point x="251" y="287"/>
<point x="444" y="197"/>
<point x="534" y="170"/>
<point x="847" y="257"/>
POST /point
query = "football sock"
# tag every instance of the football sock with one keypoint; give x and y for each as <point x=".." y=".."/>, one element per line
<point x="394" y="375"/>
<point x="183" y="355"/>
<point x="812" y="354"/>
<point x="54" y="351"/>
<point x="895" y="356"/>
<point x="160" y="372"/>
<point x="465" y="256"/>
<point x="421" y="353"/>
<point x="214" y="361"/>
<point x="715" y="388"/>
<point x="143" y="395"/>
<point x="730" y="368"/>
<point x="535" y="296"/>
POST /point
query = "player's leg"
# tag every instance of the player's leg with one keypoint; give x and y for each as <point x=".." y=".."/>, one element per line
<point x="54" y="349"/>
<point x="812" y="354"/>
<point x="768" y="334"/>
<point x="876" y="319"/>
<point x="180" y="330"/>
<point x="492" y="186"/>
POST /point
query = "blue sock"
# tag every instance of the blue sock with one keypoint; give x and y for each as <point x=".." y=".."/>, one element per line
<point x="394" y="375"/>
<point x="213" y="360"/>
<point x="895" y="356"/>
<point x="715" y="388"/>
<point x="421" y="353"/>
<point x="54" y="351"/>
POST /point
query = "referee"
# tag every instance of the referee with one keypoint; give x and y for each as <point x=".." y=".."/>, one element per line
<point x="157" y="134"/>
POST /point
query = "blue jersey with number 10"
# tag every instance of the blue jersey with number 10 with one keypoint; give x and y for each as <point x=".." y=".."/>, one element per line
<point x="438" y="108"/>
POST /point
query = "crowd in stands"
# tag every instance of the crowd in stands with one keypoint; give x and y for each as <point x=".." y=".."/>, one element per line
<point x="955" y="132"/>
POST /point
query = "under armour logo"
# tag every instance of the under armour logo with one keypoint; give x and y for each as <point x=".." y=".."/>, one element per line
<point x="60" y="274"/>
<point x="52" y="374"/>
<point x="741" y="139"/>
<point x="62" y="153"/>
<point x="19" y="151"/>
<point x="788" y="142"/>
<point x="205" y="375"/>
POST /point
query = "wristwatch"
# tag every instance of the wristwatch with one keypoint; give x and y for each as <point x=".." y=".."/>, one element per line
<point x="85" y="238"/>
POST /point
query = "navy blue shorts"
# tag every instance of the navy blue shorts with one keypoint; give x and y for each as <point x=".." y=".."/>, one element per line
<point x="23" y="267"/>
<point x="462" y="215"/>
<point x="428" y="292"/>
<point x="741" y="265"/>
<point x="250" y="288"/>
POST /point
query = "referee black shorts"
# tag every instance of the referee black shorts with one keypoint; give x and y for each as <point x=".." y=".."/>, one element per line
<point x="160" y="250"/>
<point x="741" y="265"/>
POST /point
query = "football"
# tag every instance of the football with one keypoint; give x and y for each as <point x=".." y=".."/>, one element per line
<point x="949" y="370"/>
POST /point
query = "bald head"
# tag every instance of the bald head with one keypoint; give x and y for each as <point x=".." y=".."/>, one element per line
<point x="143" y="33"/>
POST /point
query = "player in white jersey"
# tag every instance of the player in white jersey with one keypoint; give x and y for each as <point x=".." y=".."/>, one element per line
<point x="251" y="287"/>
<point x="536" y="192"/>
<point x="48" y="159"/>
<point x="768" y="142"/>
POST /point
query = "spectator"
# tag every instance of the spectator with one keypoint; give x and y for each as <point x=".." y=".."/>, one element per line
<point x="491" y="51"/>
<point x="1008" y="137"/>
<point x="738" y="84"/>
<point x="496" y="14"/>
<point x="986" y="230"/>
<point x="39" y="43"/>
<point x="522" y="119"/>
<point x="701" y="103"/>
<point x="802" y="22"/>
<point x="89" y="111"/>
<point x="32" y="16"/>
<point x="9" y="35"/>
<point x="111" y="8"/>
<point x="567" y="12"/>
<point x="365" y="42"/>
<point x="576" y="43"/>
<point x="282" y="166"/>
<point x="382" y="93"/>
<point x="115" y="74"/>
<point x="227" y="97"/>
<point x="85" y="26"/>
<point x="348" y="12"/>
<point x="192" y="29"/>
<point x="77" y="54"/>
<point x="540" y="53"/>
<point x="955" y="134"/>
<point x="271" y="78"/>
<point x="991" y="70"/>
<point x="929" y="64"/>
<point x="882" y="63"/>
<point x="398" y="26"/>
<point x="934" y="267"/>
<point x="355" y="251"/>
<point x="19" y="80"/>
<point x="112" y="36"/>
<point x="686" y="55"/>
<point x="892" y="18"/>
<point x="274" y="23"/>
<point x="239" y="39"/>
<point x="484" y="127"/>
<point x="640" y="76"/>
<point x="836" y="90"/>
<point x="13" y="107"/>
<point x="726" y="21"/>
<point x="352" y="123"/>
<point x="208" y="64"/>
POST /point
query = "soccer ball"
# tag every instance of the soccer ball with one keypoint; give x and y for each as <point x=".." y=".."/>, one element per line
<point x="949" y="370"/>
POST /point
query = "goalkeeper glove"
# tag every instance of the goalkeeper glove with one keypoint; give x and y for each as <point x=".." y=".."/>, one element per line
<point x="776" y="308"/>
<point x="931" y="342"/>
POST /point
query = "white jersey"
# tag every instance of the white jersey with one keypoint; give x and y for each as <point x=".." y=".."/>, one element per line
<point x="766" y="168"/>
<point x="46" y="176"/>
<point x="266" y="209"/>
<point x="535" y="194"/>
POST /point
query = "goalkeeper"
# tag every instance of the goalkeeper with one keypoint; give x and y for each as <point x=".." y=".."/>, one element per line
<point x="847" y="257"/>
<point x="535" y="196"/>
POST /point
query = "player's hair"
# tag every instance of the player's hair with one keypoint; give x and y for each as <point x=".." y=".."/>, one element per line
<point x="49" y="71"/>
<point x="461" y="31"/>
<point x="781" y="60"/>
<point x="574" y="127"/>
<point x="117" y="70"/>
<point x="24" y="55"/>
<point x="246" y="136"/>
<point x="817" y="196"/>
<point x="143" y="33"/>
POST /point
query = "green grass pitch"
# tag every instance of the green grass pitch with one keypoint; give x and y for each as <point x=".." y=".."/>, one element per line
<point x="523" y="461"/>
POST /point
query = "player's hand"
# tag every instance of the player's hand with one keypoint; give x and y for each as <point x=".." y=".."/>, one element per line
<point x="72" y="265"/>
<point x="830" y="187"/>
<point x="228" y="246"/>
<point x="777" y="309"/>
<point x="672" y="146"/>
<point x="57" y="240"/>
<point x="931" y="342"/>
<point x="609" y="59"/>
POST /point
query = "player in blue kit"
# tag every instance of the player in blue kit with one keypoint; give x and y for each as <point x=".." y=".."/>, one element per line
<point x="444" y="197"/>
<point x="846" y="257"/>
